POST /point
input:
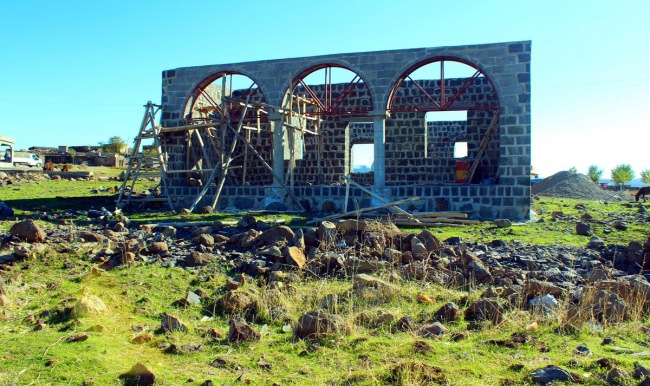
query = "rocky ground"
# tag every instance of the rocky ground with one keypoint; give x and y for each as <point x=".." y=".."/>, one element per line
<point x="602" y="281"/>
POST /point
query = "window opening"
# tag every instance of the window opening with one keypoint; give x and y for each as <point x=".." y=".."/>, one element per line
<point x="363" y="157"/>
<point x="460" y="149"/>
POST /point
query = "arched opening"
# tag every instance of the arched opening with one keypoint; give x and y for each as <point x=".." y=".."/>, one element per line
<point x="331" y="90"/>
<point x="221" y="95"/>
<point x="323" y="101"/>
<point x="444" y="117"/>
<point x="232" y="134"/>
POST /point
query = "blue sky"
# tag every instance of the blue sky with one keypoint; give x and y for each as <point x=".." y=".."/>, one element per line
<point x="79" y="72"/>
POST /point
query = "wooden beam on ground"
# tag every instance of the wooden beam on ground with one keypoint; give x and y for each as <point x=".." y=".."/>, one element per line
<point x="393" y="208"/>
<point x="427" y="224"/>
<point x="386" y="205"/>
<point x="438" y="214"/>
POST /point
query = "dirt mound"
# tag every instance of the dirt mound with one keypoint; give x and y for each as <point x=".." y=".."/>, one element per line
<point x="568" y="184"/>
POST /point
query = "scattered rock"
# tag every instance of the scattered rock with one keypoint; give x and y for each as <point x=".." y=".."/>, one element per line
<point x="475" y="267"/>
<point x="197" y="259"/>
<point x="364" y="281"/>
<point x="449" y="312"/>
<point x="485" y="309"/>
<point x="583" y="229"/>
<point x="545" y="305"/>
<point x="407" y="323"/>
<point x="237" y="302"/>
<point x="91" y="237"/>
<point x="159" y="247"/>
<point x="28" y="230"/>
<point x="88" y="305"/>
<point x="204" y="239"/>
<point x="583" y="350"/>
<point x="80" y="337"/>
<point x="239" y="331"/>
<point x="296" y="257"/>
<point x="278" y="234"/>
<point x="617" y="376"/>
<point x="503" y="223"/>
<point x="320" y="324"/>
<point x="327" y="234"/>
<point x="248" y="221"/>
<point x="207" y="209"/>
<point x="171" y="323"/>
<point x="550" y="374"/>
<point x="432" y="330"/>
<point x="138" y="375"/>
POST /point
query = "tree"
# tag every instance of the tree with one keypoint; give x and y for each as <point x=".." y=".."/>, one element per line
<point x="73" y="153"/>
<point x="645" y="176"/>
<point x="573" y="169"/>
<point x="621" y="174"/>
<point x="114" y="145"/>
<point x="594" y="173"/>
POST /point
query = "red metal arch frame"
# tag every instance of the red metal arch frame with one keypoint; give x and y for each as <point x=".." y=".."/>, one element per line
<point x="233" y="107"/>
<point x="328" y="102"/>
<point x="442" y="103"/>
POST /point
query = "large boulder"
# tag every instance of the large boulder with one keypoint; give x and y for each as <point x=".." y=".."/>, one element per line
<point x="28" y="230"/>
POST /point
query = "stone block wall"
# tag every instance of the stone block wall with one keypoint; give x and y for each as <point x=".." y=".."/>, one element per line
<point x="418" y="157"/>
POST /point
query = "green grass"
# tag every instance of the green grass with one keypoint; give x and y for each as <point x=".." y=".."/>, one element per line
<point x="373" y="354"/>
<point x="28" y="198"/>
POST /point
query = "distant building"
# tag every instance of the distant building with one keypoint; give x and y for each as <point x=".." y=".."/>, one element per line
<point x="90" y="155"/>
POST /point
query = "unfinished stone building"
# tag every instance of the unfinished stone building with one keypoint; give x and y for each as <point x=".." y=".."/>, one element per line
<point x="441" y="129"/>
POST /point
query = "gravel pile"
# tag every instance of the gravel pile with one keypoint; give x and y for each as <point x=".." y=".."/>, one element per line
<point x="567" y="184"/>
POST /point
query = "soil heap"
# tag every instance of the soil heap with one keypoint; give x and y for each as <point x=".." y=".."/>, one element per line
<point x="567" y="184"/>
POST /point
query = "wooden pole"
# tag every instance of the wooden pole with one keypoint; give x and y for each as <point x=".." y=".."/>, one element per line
<point x="393" y="208"/>
<point x="479" y="154"/>
<point x="386" y="205"/>
<point x="229" y="156"/>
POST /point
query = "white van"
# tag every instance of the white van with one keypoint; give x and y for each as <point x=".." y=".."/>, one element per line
<point x="29" y="159"/>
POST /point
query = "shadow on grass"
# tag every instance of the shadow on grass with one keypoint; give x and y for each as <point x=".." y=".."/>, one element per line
<point x="62" y="203"/>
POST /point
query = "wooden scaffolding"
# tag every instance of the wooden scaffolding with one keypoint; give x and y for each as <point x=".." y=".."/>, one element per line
<point x="145" y="164"/>
<point x="216" y="139"/>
